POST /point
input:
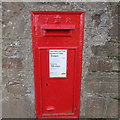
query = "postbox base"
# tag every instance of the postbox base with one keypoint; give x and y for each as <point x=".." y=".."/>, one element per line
<point x="57" y="117"/>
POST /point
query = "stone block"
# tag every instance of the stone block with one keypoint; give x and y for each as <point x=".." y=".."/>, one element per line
<point x="97" y="64"/>
<point x="102" y="64"/>
<point x="101" y="87"/>
<point x="107" y="50"/>
<point x="102" y="77"/>
<point x="17" y="107"/>
<point x="11" y="48"/>
<point x="114" y="39"/>
<point x="114" y="13"/>
<point x="10" y="75"/>
<point x="95" y="107"/>
<point x="16" y="88"/>
<point x="10" y="63"/>
<point x="112" y="109"/>
<point x="10" y="51"/>
<point x="114" y="29"/>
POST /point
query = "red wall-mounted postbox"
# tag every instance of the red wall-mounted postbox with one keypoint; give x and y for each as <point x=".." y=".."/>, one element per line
<point x="57" y="38"/>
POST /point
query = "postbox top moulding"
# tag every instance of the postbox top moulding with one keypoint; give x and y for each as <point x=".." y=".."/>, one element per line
<point x="59" y="12"/>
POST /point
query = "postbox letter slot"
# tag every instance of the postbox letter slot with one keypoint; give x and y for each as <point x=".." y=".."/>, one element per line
<point x="57" y="30"/>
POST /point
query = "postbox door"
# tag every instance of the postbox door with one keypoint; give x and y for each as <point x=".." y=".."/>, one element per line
<point x="57" y="92"/>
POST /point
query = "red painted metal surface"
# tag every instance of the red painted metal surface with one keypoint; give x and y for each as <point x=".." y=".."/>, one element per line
<point x="57" y="97"/>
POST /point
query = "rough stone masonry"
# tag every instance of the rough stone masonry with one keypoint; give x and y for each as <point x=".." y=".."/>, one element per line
<point x="99" y="95"/>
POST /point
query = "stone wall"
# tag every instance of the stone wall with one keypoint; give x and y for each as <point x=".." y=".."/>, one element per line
<point x="99" y="95"/>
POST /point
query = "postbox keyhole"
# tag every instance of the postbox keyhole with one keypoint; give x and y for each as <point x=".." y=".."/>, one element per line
<point x="46" y="84"/>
